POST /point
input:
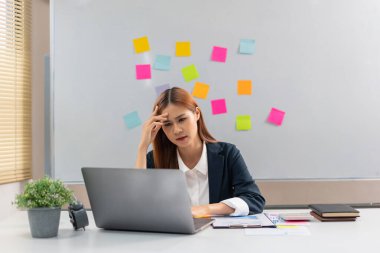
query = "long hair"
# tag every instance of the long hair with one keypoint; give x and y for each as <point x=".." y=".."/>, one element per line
<point x="164" y="151"/>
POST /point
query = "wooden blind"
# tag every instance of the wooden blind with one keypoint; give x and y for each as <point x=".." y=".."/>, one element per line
<point x="15" y="90"/>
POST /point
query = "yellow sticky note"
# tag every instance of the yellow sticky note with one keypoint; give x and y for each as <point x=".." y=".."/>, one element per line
<point x="200" y="90"/>
<point x="244" y="87"/>
<point x="243" y="122"/>
<point x="286" y="226"/>
<point x="141" y="44"/>
<point x="183" y="49"/>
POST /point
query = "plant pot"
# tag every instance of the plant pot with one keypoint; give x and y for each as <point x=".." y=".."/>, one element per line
<point x="44" y="221"/>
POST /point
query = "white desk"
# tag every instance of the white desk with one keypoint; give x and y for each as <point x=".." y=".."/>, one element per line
<point x="359" y="236"/>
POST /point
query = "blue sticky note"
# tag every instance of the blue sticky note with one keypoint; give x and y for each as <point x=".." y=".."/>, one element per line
<point x="162" y="62"/>
<point x="162" y="88"/>
<point x="247" y="46"/>
<point x="132" y="120"/>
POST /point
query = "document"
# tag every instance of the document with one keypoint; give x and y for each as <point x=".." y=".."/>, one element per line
<point x="249" y="221"/>
<point x="294" y="230"/>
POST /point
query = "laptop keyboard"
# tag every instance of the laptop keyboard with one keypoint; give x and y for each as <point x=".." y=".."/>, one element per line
<point x="200" y="222"/>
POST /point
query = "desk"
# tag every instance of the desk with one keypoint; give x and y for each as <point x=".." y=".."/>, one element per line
<point x="364" y="234"/>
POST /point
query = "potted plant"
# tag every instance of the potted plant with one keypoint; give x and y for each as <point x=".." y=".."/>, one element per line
<point x="43" y="199"/>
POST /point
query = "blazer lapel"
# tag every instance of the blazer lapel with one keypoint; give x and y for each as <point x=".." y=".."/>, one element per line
<point x="215" y="170"/>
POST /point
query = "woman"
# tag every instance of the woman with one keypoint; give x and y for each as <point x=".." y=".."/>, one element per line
<point x="217" y="178"/>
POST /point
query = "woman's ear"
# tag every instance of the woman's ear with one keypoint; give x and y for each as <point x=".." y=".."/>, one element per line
<point x="197" y="112"/>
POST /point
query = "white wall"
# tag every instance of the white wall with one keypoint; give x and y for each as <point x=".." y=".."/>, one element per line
<point x="8" y="192"/>
<point x="287" y="29"/>
<point x="322" y="71"/>
<point x="40" y="46"/>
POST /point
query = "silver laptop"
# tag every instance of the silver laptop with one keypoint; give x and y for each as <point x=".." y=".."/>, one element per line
<point x="141" y="199"/>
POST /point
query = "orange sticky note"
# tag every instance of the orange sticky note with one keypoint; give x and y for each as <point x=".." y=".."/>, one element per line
<point x="244" y="87"/>
<point x="200" y="90"/>
<point x="141" y="44"/>
<point x="183" y="48"/>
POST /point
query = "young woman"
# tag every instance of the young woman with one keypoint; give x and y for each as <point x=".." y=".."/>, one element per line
<point x="218" y="180"/>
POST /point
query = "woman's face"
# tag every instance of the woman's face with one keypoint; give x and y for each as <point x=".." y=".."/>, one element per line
<point x="181" y="125"/>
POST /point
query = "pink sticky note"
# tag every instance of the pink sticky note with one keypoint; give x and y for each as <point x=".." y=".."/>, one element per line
<point x="143" y="71"/>
<point x="218" y="106"/>
<point x="276" y="116"/>
<point x="219" y="54"/>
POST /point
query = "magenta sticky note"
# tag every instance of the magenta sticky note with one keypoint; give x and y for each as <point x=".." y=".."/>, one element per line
<point x="143" y="71"/>
<point x="219" y="54"/>
<point x="218" y="106"/>
<point x="276" y="116"/>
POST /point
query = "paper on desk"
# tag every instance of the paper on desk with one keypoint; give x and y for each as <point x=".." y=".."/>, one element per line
<point x="296" y="230"/>
<point x="257" y="220"/>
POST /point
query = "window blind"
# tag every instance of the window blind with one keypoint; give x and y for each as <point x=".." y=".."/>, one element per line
<point x="15" y="90"/>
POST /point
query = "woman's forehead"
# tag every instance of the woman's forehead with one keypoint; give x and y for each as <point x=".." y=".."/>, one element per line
<point x="175" y="110"/>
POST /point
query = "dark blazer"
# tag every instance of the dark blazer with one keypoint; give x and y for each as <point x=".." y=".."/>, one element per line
<point x="228" y="176"/>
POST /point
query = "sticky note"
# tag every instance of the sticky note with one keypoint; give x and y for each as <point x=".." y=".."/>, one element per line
<point x="200" y="90"/>
<point x="243" y="122"/>
<point x="141" y="44"/>
<point x="162" y="88"/>
<point x="247" y="46"/>
<point x="219" y="54"/>
<point x="276" y="116"/>
<point x="244" y="87"/>
<point x="190" y="73"/>
<point x="132" y="120"/>
<point x="162" y="62"/>
<point x="286" y="226"/>
<point x="183" y="49"/>
<point x="218" y="106"/>
<point x="143" y="71"/>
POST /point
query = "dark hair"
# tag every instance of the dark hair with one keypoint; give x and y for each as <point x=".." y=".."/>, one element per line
<point x="164" y="151"/>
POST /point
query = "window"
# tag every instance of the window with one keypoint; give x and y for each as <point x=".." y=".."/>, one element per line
<point x="15" y="90"/>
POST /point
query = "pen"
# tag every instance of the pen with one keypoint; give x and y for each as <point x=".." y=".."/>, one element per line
<point x="245" y="226"/>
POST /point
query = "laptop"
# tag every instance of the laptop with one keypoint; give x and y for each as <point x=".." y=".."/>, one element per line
<point x="154" y="200"/>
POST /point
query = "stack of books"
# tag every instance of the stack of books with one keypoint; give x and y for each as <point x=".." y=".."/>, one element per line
<point x="334" y="212"/>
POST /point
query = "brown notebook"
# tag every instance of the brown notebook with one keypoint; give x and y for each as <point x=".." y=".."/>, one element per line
<point x="334" y="210"/>
<point x="320" y="218"/>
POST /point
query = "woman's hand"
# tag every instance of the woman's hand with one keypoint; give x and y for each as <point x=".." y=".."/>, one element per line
<point x="151" y="128"/>
<point x="211" y="210"/>
<point x="200" y="211"/>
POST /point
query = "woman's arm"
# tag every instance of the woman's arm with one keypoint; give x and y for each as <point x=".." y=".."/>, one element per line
<point x="148" y="133"/>
<point x="141" y="158"/>
<point x="211" y="209"/>
<point x="243" y="184"/>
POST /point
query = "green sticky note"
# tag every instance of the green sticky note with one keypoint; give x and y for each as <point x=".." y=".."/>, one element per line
<point x="243" y="122"/>
<point x="190" y="73"/>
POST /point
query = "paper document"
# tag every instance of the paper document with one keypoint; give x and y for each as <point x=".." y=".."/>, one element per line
<point x="249" y="221"/>
<point x="295" y="230"/>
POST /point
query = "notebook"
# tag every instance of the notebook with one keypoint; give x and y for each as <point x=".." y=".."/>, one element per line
<point x="153" y="200"/>
<point x="334" y="210"/>
<point x="320" y="218"/>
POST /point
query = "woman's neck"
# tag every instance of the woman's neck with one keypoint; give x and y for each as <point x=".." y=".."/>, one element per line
<point x="191" y="155"/>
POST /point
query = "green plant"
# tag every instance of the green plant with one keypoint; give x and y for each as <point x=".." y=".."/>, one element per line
<point x="45" y="192"/>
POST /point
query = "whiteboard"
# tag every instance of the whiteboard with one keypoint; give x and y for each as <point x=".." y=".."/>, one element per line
<point x="317" y="60"/>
